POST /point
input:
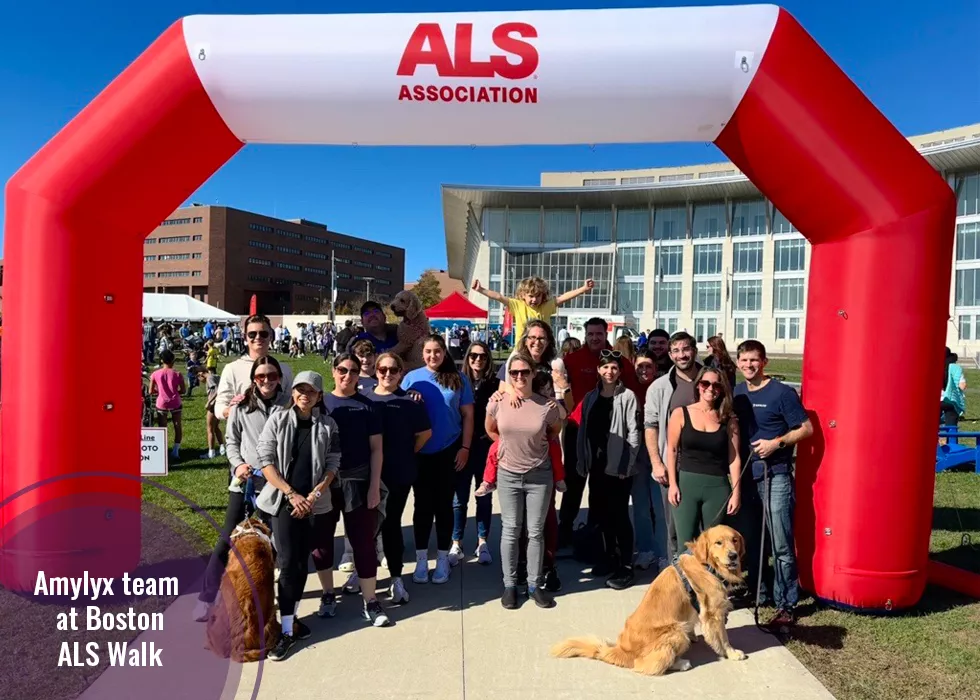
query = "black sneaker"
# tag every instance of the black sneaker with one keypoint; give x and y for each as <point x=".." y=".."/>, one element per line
<point x="301" y="631"/>
<point x="552" y="583"/>
<point x="522" y="587"/>
<point x="623" y="578"/>
<point x="375" y="614"/>
<point x="283" y="647"/>
<point x="509" y="598"/>
<point x="540" y="598"/>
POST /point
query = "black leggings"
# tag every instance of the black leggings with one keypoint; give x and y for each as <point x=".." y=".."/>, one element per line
<point x="434" y="491"/>
<point x="613" y="503"/>
<point x="391" y="528"/>
<point x="361" y="528"/>
<point x="234" y="515"/>
<point x="950" y="414"/>
<point x="294" y="537"/>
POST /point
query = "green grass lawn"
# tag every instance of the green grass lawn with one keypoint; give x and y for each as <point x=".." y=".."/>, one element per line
<point x="930" y="652"/>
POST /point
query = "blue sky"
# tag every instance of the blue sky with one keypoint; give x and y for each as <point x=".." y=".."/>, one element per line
<point x="916" y="61"/>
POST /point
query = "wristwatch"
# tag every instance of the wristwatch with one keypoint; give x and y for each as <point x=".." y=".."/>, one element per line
<point x="316" y="494"/>
<point x="782" y="444"/>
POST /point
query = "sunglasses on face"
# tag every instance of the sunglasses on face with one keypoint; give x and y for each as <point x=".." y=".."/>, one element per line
<point x="344" y="371"/>
<point x="520" y="373"/>
<point x="537" y="339"/>
<point x="716" y="386"/>
<point x="478" y="356"/>
<point x="270" y="377"/>
<point x="252" y="335"/>
<point x="384" y="371"/>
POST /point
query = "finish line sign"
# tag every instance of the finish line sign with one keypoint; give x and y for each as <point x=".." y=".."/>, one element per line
<point x="153" y="452"/>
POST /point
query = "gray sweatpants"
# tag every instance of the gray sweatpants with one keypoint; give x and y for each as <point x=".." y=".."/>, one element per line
<point x="517" y="494"/>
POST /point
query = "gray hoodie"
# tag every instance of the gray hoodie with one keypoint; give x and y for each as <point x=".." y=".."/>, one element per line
<point x="242" y="437"/>
<point x="656" y="408"/>
<point x="275" y="447"/>
<point x="624" y="434"/>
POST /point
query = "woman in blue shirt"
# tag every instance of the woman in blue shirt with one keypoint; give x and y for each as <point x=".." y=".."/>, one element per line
<point x="953" y="400"/>
<point x="448" y="398"/>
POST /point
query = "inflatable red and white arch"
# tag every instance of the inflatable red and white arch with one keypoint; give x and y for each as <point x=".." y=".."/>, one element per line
<point x="748" y="78"/>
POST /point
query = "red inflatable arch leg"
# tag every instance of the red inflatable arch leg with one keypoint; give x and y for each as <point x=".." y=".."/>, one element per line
<point x="881" y="222"/>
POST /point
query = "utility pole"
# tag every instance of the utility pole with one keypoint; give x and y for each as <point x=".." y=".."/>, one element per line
<point x="333" y="286"/>
<point x="369" y="280"/>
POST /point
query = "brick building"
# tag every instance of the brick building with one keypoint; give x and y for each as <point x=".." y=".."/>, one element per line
<point x="223" y="256"/>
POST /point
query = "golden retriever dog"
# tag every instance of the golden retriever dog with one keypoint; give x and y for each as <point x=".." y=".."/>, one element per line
<point x="413" y="327"/>
<point x="233" y="627"/>
<point x="658" y="634"/>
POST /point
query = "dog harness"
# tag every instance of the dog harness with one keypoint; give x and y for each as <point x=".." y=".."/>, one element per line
<point x="245" y="528"/>
<point x="691" y="594"/>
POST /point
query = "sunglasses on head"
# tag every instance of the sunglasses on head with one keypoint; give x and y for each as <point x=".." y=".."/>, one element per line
<point x="717" y="386"/>
<point x="388" y="370"/>
<point x="252" y="335"/>
<point x="344" y="371"/>
<point x="267" y="377"/>
<point x="610" y="354"/>
<point x="520" y="373"/>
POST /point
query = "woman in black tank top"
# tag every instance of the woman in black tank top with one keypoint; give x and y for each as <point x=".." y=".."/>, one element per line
<point x="703" y="462"/>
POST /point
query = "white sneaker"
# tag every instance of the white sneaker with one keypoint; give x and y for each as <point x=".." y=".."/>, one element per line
<point x="353" y="584"/>
<point x="346" y="563"/>
<point x="221" y="450"/>
<point x="421" y="574"/>
<point x="208" y="455"/>
<point x="443" y="569"/>
<point x="202" y="611"/>
<point x="397" y="593"/>
<point x="483" y="555"/>
<point x="644" y="560"/>
<point x="455" y="555"/>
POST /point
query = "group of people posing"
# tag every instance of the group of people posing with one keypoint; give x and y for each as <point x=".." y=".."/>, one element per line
<point x="653" y="426"/>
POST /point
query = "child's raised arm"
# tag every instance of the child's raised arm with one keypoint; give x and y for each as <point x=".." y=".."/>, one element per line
<point x="489" y="293"/>
<point x="568" y="296"/>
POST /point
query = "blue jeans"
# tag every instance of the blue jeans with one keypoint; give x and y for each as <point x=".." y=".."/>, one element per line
<point x="781" y="502"/>
<point x="649" y="519"/>
<point x="472" y="473"/>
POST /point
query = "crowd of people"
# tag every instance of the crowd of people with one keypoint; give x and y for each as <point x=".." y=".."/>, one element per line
<point x="650" y="425"/>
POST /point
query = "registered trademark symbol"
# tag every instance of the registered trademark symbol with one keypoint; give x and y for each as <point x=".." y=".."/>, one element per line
<point x="534" y="77"/>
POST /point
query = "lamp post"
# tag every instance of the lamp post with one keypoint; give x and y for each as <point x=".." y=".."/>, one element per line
<point x="368" y="280"/>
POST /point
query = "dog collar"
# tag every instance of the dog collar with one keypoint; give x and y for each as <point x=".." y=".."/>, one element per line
<point x="691" y="594"/>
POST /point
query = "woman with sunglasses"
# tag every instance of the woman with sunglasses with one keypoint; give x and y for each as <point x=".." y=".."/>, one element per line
<point x="607" y="445"/>
<point x="246" y="421"/>
<point x="478" y="368"/>
<point x="407" y="429"/>
<point x="525" y="482"/>
<point x="299" y="451"/>
<point x="235" y="377"/>
<point x="703" y="463"/>
<point x="448" y="399"/>
<point x="358" y="492"/>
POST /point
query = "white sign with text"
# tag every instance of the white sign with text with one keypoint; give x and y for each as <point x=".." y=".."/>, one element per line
<point x="153" y="452"/>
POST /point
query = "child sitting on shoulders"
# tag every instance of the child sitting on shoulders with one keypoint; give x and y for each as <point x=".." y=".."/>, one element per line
<point x="533" y="300"/>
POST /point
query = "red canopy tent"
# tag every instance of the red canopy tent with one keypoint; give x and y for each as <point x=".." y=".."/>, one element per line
<point x="455" y="306"/>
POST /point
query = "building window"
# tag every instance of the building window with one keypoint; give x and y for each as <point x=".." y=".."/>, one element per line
<point x="641" y="180"/>
<point x="175" y="222"/>
<point x="709" y="221"/>
<point x="748" y="257"/>
<point x="669" y="260"/>
<point x="495" y="225"/>
<point x="629" y="298"/>
<point x="260" y="227"/>
<point x="260" y="261"/>
<point x="342" y="246"/>
<point x="496" y="255"/>
<point x="559" y="226"/>
<point x="287" y="266"/>
<point x="346" y="261"/>
<point x="780" y="224"/>
<point x="362" y="249"/>
<point x="361" y="263"/>
<point x="174" y="273"/>
<point x="288" y="234"/>
<point x="967" y="186"/>
<point x="716" y="173"/>
<point x="670" y="224"/>
<point x="964" y="327"/>
<point x="149" y="258"/>
<point x="383" y="283"/>
<point x="633" y="224"/>
<point x="704" y="328"/>
<point x="565" y="271"/>
<point x="746" y="328"/>
<point x="749" y="218"/>
<point x="198" y="220"/>
<point x="150" y="241"/>
<point x="668" y="324"/>
<point x="967" y="289"/>
<point x="197" y="256"/>
<point x="314" y="239"/>
<point x="260" y="244"/>
<point x="630" y="261"/>
<point x="315" y="270"/>
<point x="343" y="275"/>
<point x="382" y="268"/>
<point x="175" y="239"/>
<point x="195" y="273"/>
<point x="382" y="254"/>
<point x="967" y="240"/>
<point x="149" y="275"/>
<point x="788" y="328"/>
<point x="747" y="295"/>
<point x="668" y="296"/>
<point x="287" y="249"/>
<point x="598" y="181"/>
<point x="707" y="259"/>
<point x="677" y="178"/>
<point x="524" y="226"/>
<point x="707" y="296"/>
<point x="259" y="278"/>
<point x="176" y="256"/>
<point x="318" y="256"/>
<point x="790" y="255"/>
<point x="787" y="294"/>
<point x="197" y="238"/>
<point x="596" y="225"/>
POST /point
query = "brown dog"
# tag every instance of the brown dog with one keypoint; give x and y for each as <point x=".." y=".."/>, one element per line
<point x="413" y="327"/>
<point x="233" y="627"/>
<point x="660" y="631"/>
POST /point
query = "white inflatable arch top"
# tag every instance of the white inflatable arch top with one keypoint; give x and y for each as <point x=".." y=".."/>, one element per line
<point x="749" y="79"/>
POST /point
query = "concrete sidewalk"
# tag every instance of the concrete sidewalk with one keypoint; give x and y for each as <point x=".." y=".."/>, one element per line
<point x="455" y="641"/>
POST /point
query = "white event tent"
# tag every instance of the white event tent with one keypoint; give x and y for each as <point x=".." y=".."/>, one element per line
<point x="181" y="307"/>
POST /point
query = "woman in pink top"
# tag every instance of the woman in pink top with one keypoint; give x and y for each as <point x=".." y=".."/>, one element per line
<point x="168" y="385"/>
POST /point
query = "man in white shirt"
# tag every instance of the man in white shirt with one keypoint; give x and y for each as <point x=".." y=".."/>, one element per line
<point x="237" y="375"/>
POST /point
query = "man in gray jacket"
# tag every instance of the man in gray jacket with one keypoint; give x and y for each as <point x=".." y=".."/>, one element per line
<point x="672" y="390"/>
